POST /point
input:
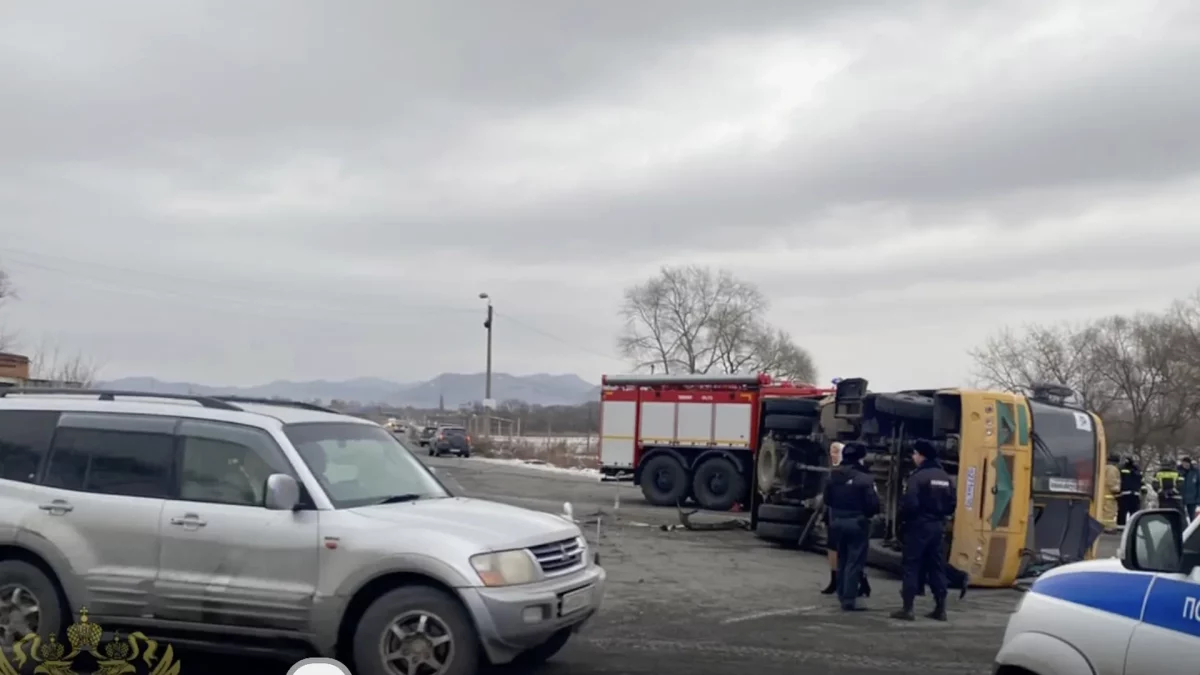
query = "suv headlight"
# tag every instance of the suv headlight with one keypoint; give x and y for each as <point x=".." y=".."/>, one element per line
<point x="506" y="568"/>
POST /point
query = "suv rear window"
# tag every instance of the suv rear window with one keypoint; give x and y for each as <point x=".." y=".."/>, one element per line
<point x="113" y="455"/>
<point x="24" y="439"/>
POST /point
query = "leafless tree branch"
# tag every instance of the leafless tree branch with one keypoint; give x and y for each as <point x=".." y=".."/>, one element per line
<point x="696" y="320"/>
<point x="1140" y="373"/>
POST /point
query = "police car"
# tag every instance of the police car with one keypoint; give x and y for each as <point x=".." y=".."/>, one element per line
<point x="1135" y="614"/>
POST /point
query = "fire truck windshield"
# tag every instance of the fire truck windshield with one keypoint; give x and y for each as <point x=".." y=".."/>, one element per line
<point x="1065" y="449"/>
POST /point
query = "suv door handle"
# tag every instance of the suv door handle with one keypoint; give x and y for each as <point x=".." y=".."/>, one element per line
<point x="57" y="507"/>
<point x="190" y="520"/>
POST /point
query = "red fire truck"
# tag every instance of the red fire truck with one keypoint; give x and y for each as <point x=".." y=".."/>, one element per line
<point x="695" y="436"/>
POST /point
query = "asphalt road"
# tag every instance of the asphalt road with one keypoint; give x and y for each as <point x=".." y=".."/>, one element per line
<point x="716" y="601"/>
<point x="725" y="602"/>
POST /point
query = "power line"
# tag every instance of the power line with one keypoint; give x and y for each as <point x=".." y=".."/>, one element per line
<point x="75" y="270"/>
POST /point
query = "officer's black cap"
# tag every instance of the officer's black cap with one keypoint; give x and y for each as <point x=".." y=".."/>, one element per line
<point x="853" y="452"/>
<point x="926" y="449"/>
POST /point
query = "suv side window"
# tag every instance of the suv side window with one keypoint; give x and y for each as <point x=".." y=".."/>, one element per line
<point x="227" y="463"/>
<point x="24" y="439"/>
<point x="127" y="455"/>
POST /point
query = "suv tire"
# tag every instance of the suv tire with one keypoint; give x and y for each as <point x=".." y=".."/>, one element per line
<point x="19" y="574"/>
<point x="442" y="615"/>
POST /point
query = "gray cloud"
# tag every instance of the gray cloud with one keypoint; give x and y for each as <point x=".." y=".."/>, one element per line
<point x="346" y="173"/>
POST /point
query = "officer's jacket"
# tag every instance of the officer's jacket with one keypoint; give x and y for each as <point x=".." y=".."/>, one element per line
<point x="1112" y="479"/>
<point x="1191" y="486"/>
<point x="851" y="493"/>
<point x="929" y="495"/>
<point x="1167" y="481"/>
<point x="1131" y="479"/>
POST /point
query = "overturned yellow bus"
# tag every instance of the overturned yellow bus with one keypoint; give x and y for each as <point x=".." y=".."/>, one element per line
<point x="1028" y="474"/>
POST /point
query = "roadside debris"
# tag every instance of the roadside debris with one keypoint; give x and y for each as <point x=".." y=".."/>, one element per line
<point x="685" y="523"/>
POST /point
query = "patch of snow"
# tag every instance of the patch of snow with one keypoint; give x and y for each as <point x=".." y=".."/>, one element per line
<point x="539" y="465"/>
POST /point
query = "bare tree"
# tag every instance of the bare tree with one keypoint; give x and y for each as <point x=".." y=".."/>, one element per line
<point x="1140" y="373"/>
<point x="774" y="352"/>
<point x="1062" y="354"/>
<point x="697" y="320"/>
<point x="51" y="362"/>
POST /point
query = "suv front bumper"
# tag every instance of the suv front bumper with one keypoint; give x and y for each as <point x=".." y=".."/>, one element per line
<point x="513" y="619"/>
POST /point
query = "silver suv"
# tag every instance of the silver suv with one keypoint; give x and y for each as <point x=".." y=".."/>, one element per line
<point x="223" y="521"/>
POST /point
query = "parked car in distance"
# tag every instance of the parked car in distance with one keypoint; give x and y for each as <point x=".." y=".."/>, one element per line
<point x="271" y="526"/>
<point x="449" y="439"/>
<point x="425" y="435"/>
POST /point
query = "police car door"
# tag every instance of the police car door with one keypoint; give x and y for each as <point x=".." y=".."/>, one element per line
<point x="1168" y="638"/>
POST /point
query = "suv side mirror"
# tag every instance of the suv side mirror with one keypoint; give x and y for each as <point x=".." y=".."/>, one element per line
<point x="1153" y="541"/>
<point x="283" y="492"/>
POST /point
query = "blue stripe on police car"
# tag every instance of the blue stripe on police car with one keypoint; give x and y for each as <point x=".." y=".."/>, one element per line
<point x="1155" y="600"/>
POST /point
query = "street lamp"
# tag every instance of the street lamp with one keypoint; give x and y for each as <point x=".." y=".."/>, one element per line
<point x="487" y="391"/>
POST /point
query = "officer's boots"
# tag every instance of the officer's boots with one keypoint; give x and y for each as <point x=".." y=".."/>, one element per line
<point x="833" y="584"/>
<point x="939" y="612"/>
<point x="905" y="614"/>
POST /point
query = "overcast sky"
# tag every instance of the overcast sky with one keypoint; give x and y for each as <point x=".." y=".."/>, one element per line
<point x="235" y="192"/>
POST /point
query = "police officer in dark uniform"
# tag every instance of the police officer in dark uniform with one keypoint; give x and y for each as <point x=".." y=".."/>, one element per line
<point x="852" y="502"/>
<point x="929" y="498"/>
<point x="1129" y="501"/>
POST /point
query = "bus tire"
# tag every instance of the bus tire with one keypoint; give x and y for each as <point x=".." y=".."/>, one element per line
<point x="664" y="481"/>
<point x="718" y="484"/>
<point x="784" y="513"/>
<point x="806" y="407"/>
<point x="783" y="533"/>
<point x="791" y="424"/>
<point x="907" y="406"/>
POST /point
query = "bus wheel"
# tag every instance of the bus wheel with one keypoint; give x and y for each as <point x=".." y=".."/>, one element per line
<point x="791" y="424"/>
<point x="907" y="406"/>
<point x="664" y="481"/>
<point x="718" y="484"/>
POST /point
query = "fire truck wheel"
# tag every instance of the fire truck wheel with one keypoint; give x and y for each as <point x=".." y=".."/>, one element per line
<point x="908" y="406"/>
<point x="780" y="532"/>
<point x="791" y="424"/>
<point x="664" y="481"/>
<point x="718" y="484"/>
<point x="807" y="407"/>
<point x="784" y="513"/>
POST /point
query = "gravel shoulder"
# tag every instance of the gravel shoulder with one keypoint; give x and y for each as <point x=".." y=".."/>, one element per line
<point x="725" y="601"/>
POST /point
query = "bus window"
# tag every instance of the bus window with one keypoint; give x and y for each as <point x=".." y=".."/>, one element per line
<point x="1064" y="449"/>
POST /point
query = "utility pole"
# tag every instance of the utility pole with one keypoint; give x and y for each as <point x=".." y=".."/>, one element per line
<point x="488" y="403"/>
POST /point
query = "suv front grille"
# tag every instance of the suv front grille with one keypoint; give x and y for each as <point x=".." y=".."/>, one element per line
<point x="558" y="556"/>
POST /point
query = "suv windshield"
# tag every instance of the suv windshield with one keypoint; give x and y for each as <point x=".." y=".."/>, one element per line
<point x="455" y="431"/>
<point x="1064" y="454"/>
<point x="361" y="464"/>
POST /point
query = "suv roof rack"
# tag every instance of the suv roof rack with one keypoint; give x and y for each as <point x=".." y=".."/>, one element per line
<point x="112" y="394"/>
<point x="275" y="401"/>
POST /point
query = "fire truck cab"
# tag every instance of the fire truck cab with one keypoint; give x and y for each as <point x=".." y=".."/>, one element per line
<point x="682" y="437"/>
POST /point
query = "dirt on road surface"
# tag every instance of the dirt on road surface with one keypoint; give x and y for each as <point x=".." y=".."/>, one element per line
<point x="725" y="602"/>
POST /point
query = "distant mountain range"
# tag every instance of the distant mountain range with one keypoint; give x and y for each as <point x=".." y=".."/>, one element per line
<point x="454" y="388"/>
